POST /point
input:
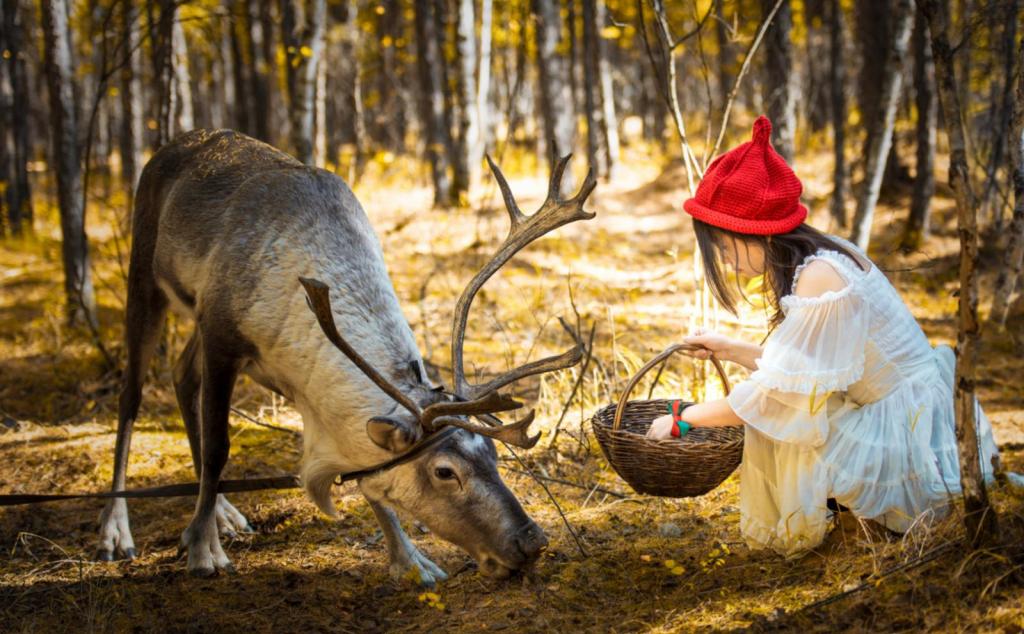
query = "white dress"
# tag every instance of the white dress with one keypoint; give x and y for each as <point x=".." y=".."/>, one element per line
<point x="850" y="402"/>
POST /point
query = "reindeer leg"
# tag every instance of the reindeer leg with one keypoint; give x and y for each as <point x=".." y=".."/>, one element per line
<point x="147" y="307"/>
<point x="187" y="381"/>
<point x="220" y="368"/>
<point x="406" y="560"/>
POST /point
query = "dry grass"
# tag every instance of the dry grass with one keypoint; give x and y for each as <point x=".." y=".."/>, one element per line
<point x="653" y="564"/>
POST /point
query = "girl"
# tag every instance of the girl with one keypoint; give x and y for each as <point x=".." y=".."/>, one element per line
<point x="847" y="399"/>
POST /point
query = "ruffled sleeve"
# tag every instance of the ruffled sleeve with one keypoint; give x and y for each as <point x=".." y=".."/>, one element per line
<point x="812" y="356"/>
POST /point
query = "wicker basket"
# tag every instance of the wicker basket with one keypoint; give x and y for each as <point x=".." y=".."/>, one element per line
<point x="686" y="467"/>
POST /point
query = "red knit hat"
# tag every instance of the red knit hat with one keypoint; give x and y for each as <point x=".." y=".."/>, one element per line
<point x="750" y="189"/>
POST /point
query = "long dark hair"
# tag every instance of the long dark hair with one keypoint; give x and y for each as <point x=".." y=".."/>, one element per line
<point x="782" y="254"/>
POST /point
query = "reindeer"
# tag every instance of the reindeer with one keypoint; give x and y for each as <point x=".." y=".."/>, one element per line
<point x="228" y="231"/>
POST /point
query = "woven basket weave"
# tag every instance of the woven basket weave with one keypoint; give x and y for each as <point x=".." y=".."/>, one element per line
<point x="686" y="467"/>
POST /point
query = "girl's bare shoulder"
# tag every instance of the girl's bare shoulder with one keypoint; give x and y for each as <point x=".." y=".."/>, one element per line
<point x="818" y="277"/>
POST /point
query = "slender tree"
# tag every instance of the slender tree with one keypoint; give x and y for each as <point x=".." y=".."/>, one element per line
<point x="19" y="192"/>
<point x="927" y="120"/>
<point x="483" y="87"/>
<point x="979" y="516"/>
<point x="991" y="208"/>
<point x="884" y="123"/>
<point x="132" y="126"/>
<point x="837" y="93"/>
<point x="260" y="68"/>
<point x="592" y="95"/>
<point x="303" y="35"/>
<point x="432" y="102"/>
<point x="556" y="105"/>
<point x="780" y="84"/>
<point x="6" y="126"/>
<point x="467" y="161"/>
<point x="1008" y="281"/>
<point x="81" y="303"/>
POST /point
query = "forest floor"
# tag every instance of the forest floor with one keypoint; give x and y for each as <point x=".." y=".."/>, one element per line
<point x="651" y="564"/>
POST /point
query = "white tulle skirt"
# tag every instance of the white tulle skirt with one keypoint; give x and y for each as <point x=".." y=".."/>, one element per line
<point x="894" y="461"/>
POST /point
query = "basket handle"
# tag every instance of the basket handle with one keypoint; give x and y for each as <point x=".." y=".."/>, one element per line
<point x="667" y="352"/>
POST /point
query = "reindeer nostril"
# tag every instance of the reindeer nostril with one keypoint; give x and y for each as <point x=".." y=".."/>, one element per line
<point x="531" y="541"/>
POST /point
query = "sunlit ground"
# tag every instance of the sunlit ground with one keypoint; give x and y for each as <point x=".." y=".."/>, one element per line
<point x="649" y="563"/>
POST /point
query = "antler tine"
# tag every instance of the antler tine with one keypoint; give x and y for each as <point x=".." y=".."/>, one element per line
<point x="318" y="298"/>
<point x="525" y="229"/>
<point x="513" y="433"/>
<point x="555" y="184"/>
<point x="489" y="404"/>
<point x="514" y="213"/>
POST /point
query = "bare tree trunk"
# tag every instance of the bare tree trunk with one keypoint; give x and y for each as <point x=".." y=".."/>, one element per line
<point x="609" y="121"/>
<point x="979" y="516"/>
<point x="22" y="203"/>
<point x="596" y="154"/>
<point x="927" y="120"/>
<point x="432" y="102"/>
<point x="163" y="60"/>
<point x="555" y="96"/>
<point x="467" y="163"/>
<point x="303" y="35"/>
<point x="6" y="128"/>
<point x="1006" y="290"/>
<point x="884" y="123"/>
<point x="320" y="108"/>
<point x="260" y="69"/>
<point x="81" y="302"/>
<point x="237" y="90"/>
<point x="483" y="88"/>
<point x="991" y="209"/>
<point x="726" y="55"/>
<point x="837" y="77"/>
<point x="780" y="93"/>
<point x="132" y="127"/>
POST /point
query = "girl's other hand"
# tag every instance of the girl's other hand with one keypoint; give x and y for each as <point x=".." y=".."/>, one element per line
<point x="661" y="428"/>
<point x="720" y="345"/>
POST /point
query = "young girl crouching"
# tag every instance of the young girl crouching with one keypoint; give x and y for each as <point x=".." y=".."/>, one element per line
<point x="846" y="399"/>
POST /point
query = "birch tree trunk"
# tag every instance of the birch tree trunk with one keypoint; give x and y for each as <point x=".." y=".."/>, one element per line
<point x="483" y="87"/>
<point x="432" y="102"/>
<point x="557" y="109"/>
<point x="467" y="163"/>
<point x="303" y="35"/>
<point x="979" y="516"/>
<point x="780" y="88"/>
<point x="881" y="128"/>
<point x="132" y="126"/>
<point x="163" y="62"/>
<point x="596" y="151"/>
<point x="1008" y="281"/>
<point x="927" y="120"/>
<point x="837" y="77"/>
<point x="81" y="303"/>
<point x="609" y="121"/>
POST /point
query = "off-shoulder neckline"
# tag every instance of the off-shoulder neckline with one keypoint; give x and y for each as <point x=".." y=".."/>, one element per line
<point x="848" y="269"/>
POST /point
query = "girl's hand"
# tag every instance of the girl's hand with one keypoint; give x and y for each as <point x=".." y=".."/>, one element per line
<point x="661" y="428"/>
<point x="725" y="348"/>
<point x="722" y="346"/>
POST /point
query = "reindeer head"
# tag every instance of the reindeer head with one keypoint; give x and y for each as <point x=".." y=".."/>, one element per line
<point x="453" y="485"/>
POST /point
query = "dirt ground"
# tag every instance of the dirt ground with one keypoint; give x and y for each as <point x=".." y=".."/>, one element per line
<point x="640" y="563"/>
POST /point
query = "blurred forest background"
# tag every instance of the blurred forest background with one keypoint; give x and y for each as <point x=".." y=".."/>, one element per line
<point x="877" y="112"/>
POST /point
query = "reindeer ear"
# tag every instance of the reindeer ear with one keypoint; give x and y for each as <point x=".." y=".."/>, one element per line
<point x="394" y="433"/>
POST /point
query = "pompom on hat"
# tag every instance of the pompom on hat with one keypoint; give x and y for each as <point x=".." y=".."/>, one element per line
<point x="750" y="189"/>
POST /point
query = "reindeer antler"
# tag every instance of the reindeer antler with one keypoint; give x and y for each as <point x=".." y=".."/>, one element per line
<point x="553" y="213"/>
<point x="479" y="400"/>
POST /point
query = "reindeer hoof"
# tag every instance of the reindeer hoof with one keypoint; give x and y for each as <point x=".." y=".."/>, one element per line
<point x="202" y="573"/>
<point x="130" y="553"/>
<point x="104" y="555"/>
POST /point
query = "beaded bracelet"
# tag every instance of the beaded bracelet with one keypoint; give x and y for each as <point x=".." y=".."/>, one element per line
<point x="680" y="427"/>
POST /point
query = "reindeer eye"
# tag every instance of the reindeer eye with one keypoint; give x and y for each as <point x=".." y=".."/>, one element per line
<point x="444" y="473"/>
